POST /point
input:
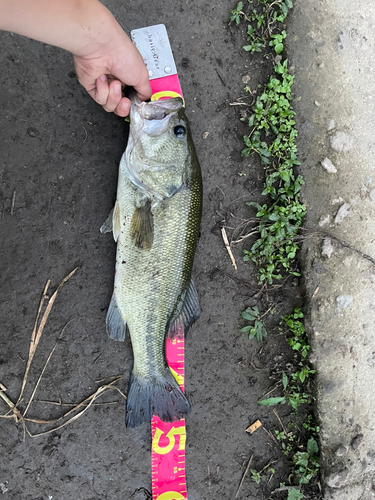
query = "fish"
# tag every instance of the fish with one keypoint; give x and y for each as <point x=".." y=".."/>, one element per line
<point x="155" y="222"/>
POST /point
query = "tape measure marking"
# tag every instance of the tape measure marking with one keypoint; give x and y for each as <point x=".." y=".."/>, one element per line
<point x="169" y="438"/>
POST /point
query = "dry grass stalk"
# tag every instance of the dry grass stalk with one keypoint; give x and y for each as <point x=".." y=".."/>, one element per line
<point x="44" y="368"/>
<point x="245" y="474"/>
<point x="227" y="246"/>
<point x="38" y="330"/>
<point x="13" y="201"/>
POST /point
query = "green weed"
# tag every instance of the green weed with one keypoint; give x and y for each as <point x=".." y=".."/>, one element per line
<point x="273" y="139"/>
<point x="294" y="494"/>
<point x="257" y="328"/>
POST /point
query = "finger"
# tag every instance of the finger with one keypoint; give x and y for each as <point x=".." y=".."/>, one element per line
<point x="123" y="108"/>
<point x="102" y="90"/>
<point x="114" y="96"/>
<point x="143" y="88"/>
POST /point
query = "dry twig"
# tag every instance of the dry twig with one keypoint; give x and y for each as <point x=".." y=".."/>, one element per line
<point x="226" y="243"/>
<point x="244" y="475"/>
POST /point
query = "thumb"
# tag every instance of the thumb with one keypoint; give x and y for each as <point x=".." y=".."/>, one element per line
<point x="142" y="87"/>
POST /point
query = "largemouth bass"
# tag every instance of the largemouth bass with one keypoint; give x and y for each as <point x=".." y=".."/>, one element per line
<point x="155" y="223"/>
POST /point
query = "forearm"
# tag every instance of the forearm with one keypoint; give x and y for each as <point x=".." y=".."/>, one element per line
<point x="70" y="24"/>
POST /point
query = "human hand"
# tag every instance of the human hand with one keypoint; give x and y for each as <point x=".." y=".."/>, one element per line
<point x="104" y="57"/>
<point x="104" y="71"/>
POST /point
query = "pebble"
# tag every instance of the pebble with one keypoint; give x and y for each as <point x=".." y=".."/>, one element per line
<point x="3" y="488"/>
<point x="246" y="79"/>
<point x="141" y="494"/>
<point x="344" y="301"/>
<point x="324" y="220"/>
<point x="341" y="450"/>
<point x="371" y="195"/>
<point x="327" y="249"/>
<point x="341" y="142"/>
<point x="330" y="124"/>
<point x="317" y="103"/>
<point x="337" y="200"/>
<point x="343" y="212"/>
<point x="32" y="132"/>
<point x="205" y="135"/>
<point x="329" y="166"/>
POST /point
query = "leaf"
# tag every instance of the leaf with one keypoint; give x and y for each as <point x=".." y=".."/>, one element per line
<point x="272" y="401"/>
<point x="245" y="329"/>
<point x="295" y="494"/>
<point x="312" y="447"/>
<point x="246" y="315"/>
<point x="301" y="458"/>
<point x="279" y="47"/>
<point x="285" y="380"/>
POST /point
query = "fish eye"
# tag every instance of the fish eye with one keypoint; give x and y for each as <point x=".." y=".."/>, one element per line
<point x="179" y="131"/>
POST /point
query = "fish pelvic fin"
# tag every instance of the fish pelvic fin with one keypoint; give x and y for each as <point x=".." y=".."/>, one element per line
<point x="115" y="324"/>
<point x="160" y="396"/>
<point x="142" y="226"/>
<point x="112" y="223"/>
<point x="187" y="312"/>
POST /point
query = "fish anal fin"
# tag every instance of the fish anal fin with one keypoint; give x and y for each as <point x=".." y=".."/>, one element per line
<point x="142" y="226"/>
<point x="187" y="312"/>
<point x="115" y="324"/>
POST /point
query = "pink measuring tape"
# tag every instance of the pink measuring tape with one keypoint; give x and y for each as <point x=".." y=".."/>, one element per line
<point x="168" y="438"/>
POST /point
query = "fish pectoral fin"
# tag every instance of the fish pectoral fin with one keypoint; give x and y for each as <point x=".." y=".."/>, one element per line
<point x="115" y="324"/>
<point x="112" y="222"/>
<point x="187" y="312"/>
<point x="142" y="226"/>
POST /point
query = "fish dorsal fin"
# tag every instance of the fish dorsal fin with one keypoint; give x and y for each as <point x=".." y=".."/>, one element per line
<point x="187" y="312"/>
<point x="112" y="222"/>
<point x="142" y="226"/>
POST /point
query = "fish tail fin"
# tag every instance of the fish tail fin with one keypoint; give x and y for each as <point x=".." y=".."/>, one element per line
<point x="160" y="396"/>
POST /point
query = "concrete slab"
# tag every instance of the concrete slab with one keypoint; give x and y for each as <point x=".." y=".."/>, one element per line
<point x="331" y="46"/>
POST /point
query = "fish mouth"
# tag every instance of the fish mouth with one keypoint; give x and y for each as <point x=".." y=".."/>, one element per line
<point x="152" y="118"/>
<point x="154" y="110"/>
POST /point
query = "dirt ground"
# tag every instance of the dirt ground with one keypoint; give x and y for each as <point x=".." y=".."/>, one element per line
<point x="59" y="154"/>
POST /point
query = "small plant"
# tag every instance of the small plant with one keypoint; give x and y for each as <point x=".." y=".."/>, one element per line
<point x="307" y="462"/>
<point x="294" y="494"/>
<point x="257" y="328"/>
<point x="236" y="13"/>
<point x="258" y="476"/>
<point x="277" y="42"/>
<point x="293" y="386"/>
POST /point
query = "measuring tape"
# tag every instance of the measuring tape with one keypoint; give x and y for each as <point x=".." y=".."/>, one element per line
<point x="168" y="438"/>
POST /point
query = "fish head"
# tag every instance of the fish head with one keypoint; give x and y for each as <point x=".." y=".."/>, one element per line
<point x="159" y="145"/>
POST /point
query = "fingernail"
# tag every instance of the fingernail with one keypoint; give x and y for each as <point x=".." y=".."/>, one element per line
<point x="117" y="88"/>
<point x="125" y="106"/>
<point x="103" y="78"/>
